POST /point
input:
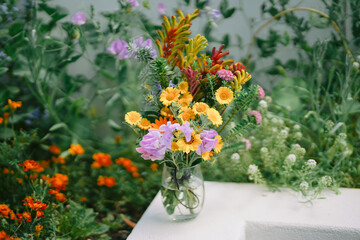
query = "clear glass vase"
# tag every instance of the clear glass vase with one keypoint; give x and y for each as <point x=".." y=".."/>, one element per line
<point x="182" y="192"/>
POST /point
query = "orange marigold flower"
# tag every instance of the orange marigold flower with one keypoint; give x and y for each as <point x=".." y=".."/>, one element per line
<point x="100" y="181"/>
<point x="84" y="199"/>
<point x="38" y="229"/>
<point x="107" y="181"/>
<point x="59" y="181"/>
<point x="27" y="216"/>
<point x="14" y="105"/>
<point x="95" y="165"/>
<point x="118" y="139"/>
<point x="19" y="217"/>
<point x="58" y="159"/>
<point x="54" y="149"/>
<point x="154" y="167"/>
<point x="19" y="180"/>
<point x="76" y="149"/>
<point x="3" y="235"/>
<point x="135" y="174"/>
<point x="53" y="191"/>
<point x="127" y="163"/>
<point x="120" y="160"/>
<point x="4" y="210"/>
<point x="103" y="159"/>
<point x="30" y="165"/>
<point x="60" y="197"/>
<point x="141" y="179"/>
<point x="161" y="121"/>
<point x="1" y="120"/>
<point x="6" y="171"/>
<point x="40" y="214"/>
<point x="132" y="169"/>
<point x="6" y="116"/>
<point x="46" y="179"/>
<point x="34" y="176"/>
<point x="110" y="181"/>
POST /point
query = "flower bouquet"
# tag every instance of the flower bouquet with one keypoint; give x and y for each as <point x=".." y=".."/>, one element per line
<point x="191" y="98"/>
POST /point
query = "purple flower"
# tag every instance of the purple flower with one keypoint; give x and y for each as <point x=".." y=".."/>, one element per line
<point x="152" y="146"/>
<point x="216" y="14"/>
<point x="133" y="3"/>
<point x="139" y="43"/>
<point x="261" y="91"/>
<point x="120" y="48"/>
<point x="257" y="116"/>
<point x="167" y="135"/>
<point x="186" y="130"/>
<point x="161" y="8"/>
<point x="79" y="18"/>
<point x="208" y="141"/>
<point x="247" y="143"/>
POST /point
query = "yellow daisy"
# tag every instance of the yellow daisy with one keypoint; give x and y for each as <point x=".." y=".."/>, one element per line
<point x="214" y="116"/>
<point x="166" y="112"/>
<point x="169" y="95"/>
<point x="219" y="144"/>
<point x="186" y="99"/>
<point x="184" y="87"/>
<point x="224" y="95"/>
<point x="133" y="118"/>
<point x="200" y="108"/>
<point x="192" y="145"/>
<point x="186" y="114"/>
<point x="144" y="124"/>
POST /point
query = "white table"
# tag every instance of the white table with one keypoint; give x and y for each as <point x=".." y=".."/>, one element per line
<point x="234" y="211"/>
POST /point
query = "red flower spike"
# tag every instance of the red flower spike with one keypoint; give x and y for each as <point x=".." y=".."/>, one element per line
<point x="193" y="82"/>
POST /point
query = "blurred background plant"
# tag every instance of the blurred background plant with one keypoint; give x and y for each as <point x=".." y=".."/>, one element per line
<point x="309" y="139"/>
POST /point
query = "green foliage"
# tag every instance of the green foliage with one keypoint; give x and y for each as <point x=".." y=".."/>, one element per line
<point x="79" y="222"/>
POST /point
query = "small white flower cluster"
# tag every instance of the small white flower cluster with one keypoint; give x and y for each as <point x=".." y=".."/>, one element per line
<point x="253" y="169"/>
<point x="326" y="181"/>
<point x="304" y="186"/>
<point x="290" y="159"/>
<point x="311" y="163"/>
<point x="297" y="150"/>
<point x="235" y="156"/>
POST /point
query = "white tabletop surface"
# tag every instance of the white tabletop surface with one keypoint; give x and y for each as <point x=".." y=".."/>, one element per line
<point x="238" y="211"/>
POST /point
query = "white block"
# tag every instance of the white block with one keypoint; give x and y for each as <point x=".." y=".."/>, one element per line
<point x="246" y="211"/>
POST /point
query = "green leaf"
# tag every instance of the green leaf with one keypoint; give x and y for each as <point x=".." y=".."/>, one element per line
<point x="318" y="21"/>
<point x="224" y="9"/>
<point x="226" y="40"/>
<point x="229" y="13"/>
<point x="57" y="126"/>
<point x="114" y="125"/>
<point x="55" y="13"/>
<point x="3" y="70"/>
<point x="187" y="2"/>
<point x="200" y="4"/>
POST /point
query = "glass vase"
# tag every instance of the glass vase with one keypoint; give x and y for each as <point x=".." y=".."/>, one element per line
<point x="182" y="192"/>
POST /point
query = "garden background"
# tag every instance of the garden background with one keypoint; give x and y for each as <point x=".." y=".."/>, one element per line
<point x="68" y="97"/>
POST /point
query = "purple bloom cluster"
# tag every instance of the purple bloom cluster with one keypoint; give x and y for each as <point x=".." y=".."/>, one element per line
<point x="140" y="43"/>
<point x="121" y="48"/>
<point x="161" y="8"/>
<point x="133" y="3"/>
<point x="79" y="18"/>
<point x="208" y="141"/>
<point x="154" y="144"/>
